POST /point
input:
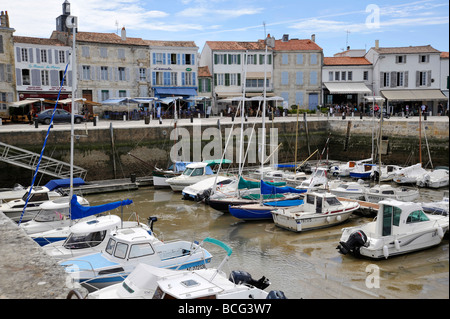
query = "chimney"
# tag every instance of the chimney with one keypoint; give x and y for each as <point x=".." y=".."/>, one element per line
<point x="285" y="38"/>
<point x="313" y="37"/>
<point x="377" y="44"/>
<point x="348" y="48"/>
<point x="123" y="34"/>
<point x="4" y="19"/>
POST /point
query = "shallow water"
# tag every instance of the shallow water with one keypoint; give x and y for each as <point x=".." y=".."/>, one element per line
<point x="302" y="265"/>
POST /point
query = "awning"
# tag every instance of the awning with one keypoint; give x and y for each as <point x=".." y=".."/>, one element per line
<point x="176" y="91"/>
<point x="258" y="75"/>
<point x="413" y="95"/>
<point x="375" y="98"/>
<point x="66" y="101"/>
<point x="347" y="88"/>
<point x="24" y="102"/>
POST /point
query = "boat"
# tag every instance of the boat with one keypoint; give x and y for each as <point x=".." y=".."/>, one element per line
<point x="410" y="174"/>
<point x="54" y="188"/>
<point x="90" y="236"/>
<point x="194" y="173"/>
<point x="363" y="171"/>
<point x="379" y="192"/>
<point x="344" y="170"/>
<point x="160" y="175"/>
<point x="317" y="180"/>
<point x="400" y="228"/>
<point x="202" y="189"/>
<point x="78" y="213"/>
<point x="437" y="207"/>
<point x="387" y="173"/>
<point x="294" y="180"/>
<point x="52" y="215"/>
<point x="128" y="247"/>
<point x="318" y="210"/>
<point x="436" y="179"/>
<point x="352" y="190"/>
<point x="149" y="282"/>
<point x="263" y="208"/>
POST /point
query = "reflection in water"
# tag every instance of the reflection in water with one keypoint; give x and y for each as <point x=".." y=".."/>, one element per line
<point x="304" y="265"/>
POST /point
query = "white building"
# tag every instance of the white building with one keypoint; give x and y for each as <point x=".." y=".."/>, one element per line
<point x="444" y="80"/>
<point x="407" y="76"/>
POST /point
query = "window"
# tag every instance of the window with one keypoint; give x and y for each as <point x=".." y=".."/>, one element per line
<point x="251" y="59"/>
<point x="313" y="77"/>
<point x="399" y="79"/>
<point x="299" y="78"/>
<point x="104" y="73"/>
<point x="62" y="56"/>
<point x="422" y="78"/>
<point x="336" y="76"/>
<point x="400" y="59"/>
<point x="188" y="59"/>
<point x="142" y="74"/>
<point x="174" y="78"/>
<point x="385" y="79"/>
<point x="110" y="246"/>
<point x="350" y="75"/>
<point x="26" y="77"/>
<point x="159" y="58"/>
<point x="188" y="78"/>
<point x="204" y="85"/>
<point x="424" y="58"/>
<point x="284" y="58"/>
<point x="220" y="59"/>
<point x="122" y="76"/>
<point x="234" y="59"/>
<point x="310" y="199"/>
<point x="330" y="76"/>
<point x="140" y="250"/>
<point x="299" y="58"/>
<point x="62" y="78"/>
<point x="234" y="79"/>
<point x="24" y="55"/>
<point x="105" y="95"/>
<point x="173" y="58"/>
<point x="103" y="52"/>
<point x="158" y="78"/>
<point x="343" y="75"/>
<point x="121" y="53"/>
<point x="366" y="75"/>
<point x="121" y="250"/>
<point x="122" y="93"/>
<point x="284" y="78"/>
<point x="85" y="52"/>
<point x="313" y="58"/>
<point x="197" y="172"/>
<point x="86" y="72"/>
<point x="43" y="56"/>
<point x="417" y="217"/>
<point x="261" y="59"/>
<point x="44" y="77"/>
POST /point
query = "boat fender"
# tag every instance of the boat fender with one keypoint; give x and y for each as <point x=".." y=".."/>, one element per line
<point x="338" y="218"/>
<point x="276" y="294"/>
<point x="328" y="219"/>
<point x="397" y="244"/>
<point x="385" y="251"/>
<point x="440" y="232"/>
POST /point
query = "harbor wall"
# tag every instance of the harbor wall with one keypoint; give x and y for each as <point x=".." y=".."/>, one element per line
<point x="117" y="152"/>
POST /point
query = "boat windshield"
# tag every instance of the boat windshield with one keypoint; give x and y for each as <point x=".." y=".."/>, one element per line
<point x="188" y="171"/>
<point x="197" y="172"/>
<point x="332" y="201"/>
<point x="416" y="217"/>
<point x="51" y="215"/>
<point x="84" y="240"/>
<point x="36" y="197"/>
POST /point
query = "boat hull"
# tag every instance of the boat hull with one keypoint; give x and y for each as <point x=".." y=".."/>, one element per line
<point x="303" y="222"/>
<point x="251" y="212"/>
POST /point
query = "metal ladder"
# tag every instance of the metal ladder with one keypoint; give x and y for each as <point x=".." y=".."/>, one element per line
<point x="26" y="159"/>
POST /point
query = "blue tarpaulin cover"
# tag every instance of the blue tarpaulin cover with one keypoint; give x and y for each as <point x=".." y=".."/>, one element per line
<point x="268" y="189"/>
<point x="65" y="182"/>
<point x="285" y="203"/>
<point x="78" y="211"/>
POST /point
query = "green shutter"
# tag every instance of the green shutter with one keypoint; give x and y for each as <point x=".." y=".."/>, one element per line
<point x="215" y="58"/>
<point x="227" y="79"/>
<point x="200" y="86"/>
<point x="215" y="79"/>
<point x="208" y="83"/>
<point x="239" y="59"/>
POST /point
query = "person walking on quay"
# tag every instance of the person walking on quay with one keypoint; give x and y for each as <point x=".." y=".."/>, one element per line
<point x="31" y="115"/>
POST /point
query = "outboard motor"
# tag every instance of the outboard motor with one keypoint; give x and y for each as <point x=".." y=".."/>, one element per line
<point x="276" y="294"/>
<point x="243" y="277"/>
<point x="150" y="221"/>
<point x="353" y="244"/>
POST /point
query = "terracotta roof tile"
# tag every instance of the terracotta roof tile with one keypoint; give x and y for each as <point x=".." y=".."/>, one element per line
<point x="405" y="50"/>
<point x="345" y="61"/>
<point x="235" y="45"/>
<point x="444" y="55"/>
<point x="203" y="71"/>
<point x="156" y="43"/>
<point x="110" y="38"/>
<point x="296" y="45"/>
<point x="40" y="41"/>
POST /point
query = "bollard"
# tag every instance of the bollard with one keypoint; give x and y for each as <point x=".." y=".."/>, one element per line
<point x="343" y="116"/>
<point x="133" y="178"/>
<point x="232" y="117"/>
<point x="160" y="121"/>
<point x="94" y="120"/>
<point x="425" y="116"/>
<point x="360" y="116"/>
<point x="192" y="118"/>
<point x="147" y="119"/>
<point x="36" y="123"/>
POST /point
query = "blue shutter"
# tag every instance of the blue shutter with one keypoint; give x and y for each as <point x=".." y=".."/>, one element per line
<point x="285" y="59"/>
<point x="313" y="77"/>
<point x="183" y="79"/>
<point x="284" y="78"/>
<point x="299" y="58"/>
<point x="193" y="59"/>
<point x="314" y="58"/>
<point x="18" y="55"/>
<point x="299" y="78"/>
<point x="299" y="98"/>
<point x="164" y="58"/>
<point x="193" y="79"/>
<point x="154" y="58"/>
<point x="184" y="59"/>
<point x="178" y="59"/>
<point x="153" y="78"/>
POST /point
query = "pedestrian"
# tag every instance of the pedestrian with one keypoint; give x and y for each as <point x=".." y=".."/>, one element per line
<point x="440" y="109"/>
<point x="31" y="115"/>
<point x="407" y="109"/>
<point x="423" y="109"/>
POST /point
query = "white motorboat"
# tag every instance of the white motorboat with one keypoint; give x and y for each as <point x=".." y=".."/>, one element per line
<point x="351" y="190"/>
<point x="317" y="180"/>
<point x="194" y="173"/>
<point x="437" y="207"/>
<point x="363" y="171"/>
<point x="387" y="173"/>
<point x="52" y="214"/>
<point x="128" y="247"/>
<point x="318" y="210"/>
<point x="201" y="190"/>
<point x="344" y="170"/>
<point x="149" y="282"/>
<point x="435" y="179"/>
<point x="89" y="236"/>
<point x="294" y="180"/>
<point x="410" y="174"/>
<point x="400" y="227"/>
<point x="386" y="191"/>
<point x="160" y="175"/>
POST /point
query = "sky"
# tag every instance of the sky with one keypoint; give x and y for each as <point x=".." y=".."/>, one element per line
<point x="336" y="24"/>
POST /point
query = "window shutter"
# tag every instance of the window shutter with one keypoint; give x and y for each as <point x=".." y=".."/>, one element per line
<point x="215" y="79"/>
<point x="215" y="58"/>
<point x="38" y="55"/>
<point x="428" y="76"/>
<point x="164" y="58"/>
<point x="49" y="56"/>
<point x="239" y="59"/>
<point x="153" y="78"/>
<point x="239" y="79"/>
<point x="30" y="53"/>
<point x="393" y="79"/>
<point x="193" y="59"/>
<point x="224" y="59"/>
<point x="405" y="79"/>
<point x="154" y="58"/>
<point x="208" y="82"/>
<point x="417" y="78"/>
<point x="200" y="85"/>
<point x="227" y="79"/>
<point x="19" y="77"/>
<point x="56" y="57"/>
<point x="18" y="55"/>
<point x="381" y="79"/>
<point x="183" y="78"/>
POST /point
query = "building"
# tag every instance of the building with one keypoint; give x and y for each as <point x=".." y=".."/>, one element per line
<point x="8" y="91"/>
<point x="297" y="72"/>
<point x="236" y="66"/>
<point x="346" y="80"/>
<point x="205" y="89"/>
<point x="444" y="79"/>
<point x="407" y="76"/>
<point x="174" y="70"/>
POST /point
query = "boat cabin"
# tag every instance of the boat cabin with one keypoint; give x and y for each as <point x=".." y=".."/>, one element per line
<point x="322" y="202"/>
<point x="396" y="217"/>
<point x="198" y="169"/>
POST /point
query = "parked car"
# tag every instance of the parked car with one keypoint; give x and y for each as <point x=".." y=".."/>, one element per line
<point x="60" y="116"/>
